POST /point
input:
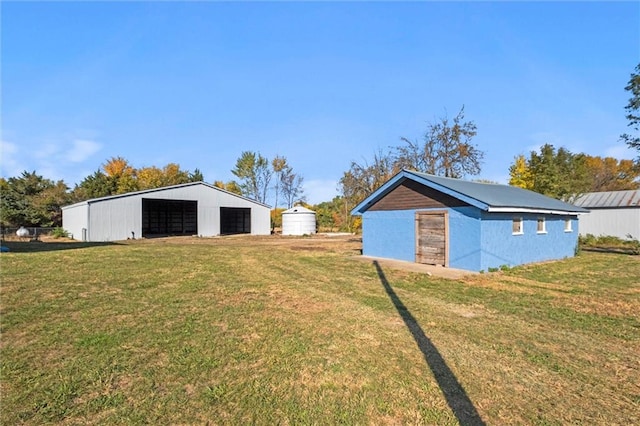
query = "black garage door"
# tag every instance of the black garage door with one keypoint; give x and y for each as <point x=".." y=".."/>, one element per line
<point x="235" y="220"/>
<point x="169" y="217"/>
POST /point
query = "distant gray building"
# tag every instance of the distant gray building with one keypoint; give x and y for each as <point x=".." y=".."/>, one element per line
<point x="615" y="213"/>
<point x="195" y="208"/>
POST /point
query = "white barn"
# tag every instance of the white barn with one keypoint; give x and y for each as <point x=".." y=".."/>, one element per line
<point x="615" y="213"/>
<point x="195" y="208"/>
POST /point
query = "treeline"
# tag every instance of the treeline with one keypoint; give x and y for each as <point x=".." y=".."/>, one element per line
<point x="563" y="174"/>
<point x="33" y="200"/>
<point x="118" y="176"/>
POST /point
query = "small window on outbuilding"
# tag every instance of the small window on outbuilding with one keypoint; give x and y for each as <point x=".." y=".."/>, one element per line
<point x="542" y="226"/>
<point x="567" y="225"/>
<point x="517" y="227"/>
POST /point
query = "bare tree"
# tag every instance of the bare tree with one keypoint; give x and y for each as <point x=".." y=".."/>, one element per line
<point x="362" y="179"/>
<point x="291" y="184"/>
<point x="446" y="151"/>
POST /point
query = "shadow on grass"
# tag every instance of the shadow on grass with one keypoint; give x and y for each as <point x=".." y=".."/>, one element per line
<point x="454" y="393"/>
<point x="40" y="246"/>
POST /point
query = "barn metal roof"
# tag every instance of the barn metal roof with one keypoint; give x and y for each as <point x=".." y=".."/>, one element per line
<point x="609" y="199"/>
<point x="486" y="196"/>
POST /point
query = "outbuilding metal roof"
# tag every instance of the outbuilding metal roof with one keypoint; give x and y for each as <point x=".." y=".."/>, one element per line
<point x="486" y="196"/>
<point x="609" y="199"/>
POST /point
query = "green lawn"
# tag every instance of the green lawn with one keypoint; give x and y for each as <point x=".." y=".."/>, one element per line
<point x="294" y="331"/>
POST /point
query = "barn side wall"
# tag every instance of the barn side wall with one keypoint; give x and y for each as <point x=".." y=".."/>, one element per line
<point x="501" y="247"/>
<point x="74" y="220"/>
<point x="615" y="222"/>
<point x="115" y="219"/>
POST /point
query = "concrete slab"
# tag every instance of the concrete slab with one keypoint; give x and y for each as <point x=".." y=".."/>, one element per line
<point x="432" y="270"/>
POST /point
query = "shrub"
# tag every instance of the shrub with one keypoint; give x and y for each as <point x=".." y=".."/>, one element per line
<point x="59" y="233"/>
<point x="630" y="244"/>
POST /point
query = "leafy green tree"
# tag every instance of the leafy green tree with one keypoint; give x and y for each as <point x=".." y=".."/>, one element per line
<point x="562" y="174"/>
<point x="119" y="169"/>
<point x="611" y="174"/>
<point x="520" y="174"/>
<point x="633" y="111"/>
<point x="324" y="216"/>
<point x="279" y="165"/>
<point x="50" y="202"/>
<point x="330" y="216"/>
<point x="32" y="200"/>
<point x="231" y="186"/>
<point x="446" y="149"/>
<point x="196" y="176"/>
<point x="174" y="175"/>
<point x="150" y="177"/>
<point x="95" y="186"/>
<point x="254" y="173"/>
<point x="555" y="173"/>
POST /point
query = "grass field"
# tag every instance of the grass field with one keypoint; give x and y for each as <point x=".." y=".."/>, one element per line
<point x="294" y="331"/>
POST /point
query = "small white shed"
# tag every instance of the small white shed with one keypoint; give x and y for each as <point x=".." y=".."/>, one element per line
<point x="614" y="213"/>
<point x="298" y="221"/>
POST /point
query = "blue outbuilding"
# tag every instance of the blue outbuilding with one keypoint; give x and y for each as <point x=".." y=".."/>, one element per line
<point x="475" y="226"/>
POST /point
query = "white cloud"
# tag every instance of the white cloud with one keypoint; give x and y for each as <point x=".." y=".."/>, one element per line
<point x="10" y="164"/>
<point x="82" y="149"/>
<point x="7" y="148"/>
<point x="46" y="151"/>
<point x="319" y="190"/>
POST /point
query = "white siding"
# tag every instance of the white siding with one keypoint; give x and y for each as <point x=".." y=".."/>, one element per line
<point x="115" y="218"/>
<point x="615" y="222"/>
<point x="74" y="220"/>
<point x="260" y="220"/>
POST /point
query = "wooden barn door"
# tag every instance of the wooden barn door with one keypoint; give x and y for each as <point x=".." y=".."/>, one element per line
<point x="432" y="237"/>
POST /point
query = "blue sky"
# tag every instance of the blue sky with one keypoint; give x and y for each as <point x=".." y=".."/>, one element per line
<point x="323" y="83"/>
